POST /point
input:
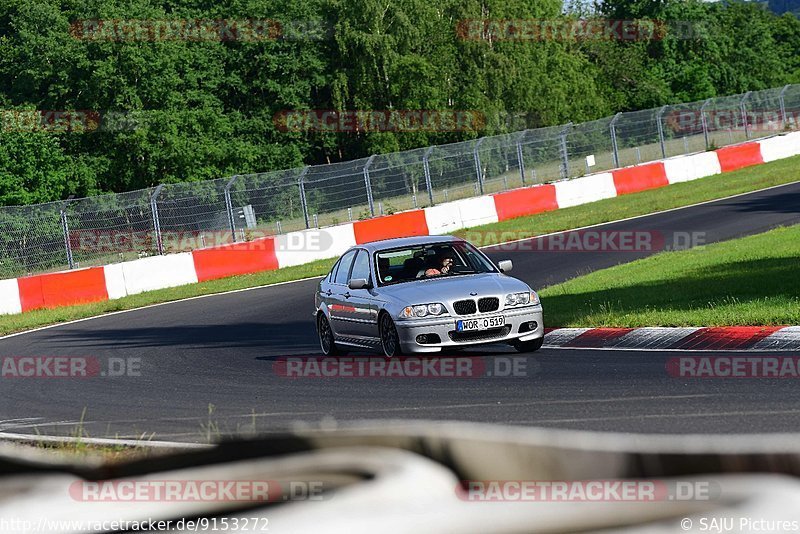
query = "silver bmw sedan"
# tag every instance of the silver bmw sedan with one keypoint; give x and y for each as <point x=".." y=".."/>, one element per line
<point x="424" y="294"/>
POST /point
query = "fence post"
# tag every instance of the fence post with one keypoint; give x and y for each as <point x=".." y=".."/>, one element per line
<point x="156" y="222"/>
<point x="782" y="101"/>
<point x="477" y="158"/>
<point x="427" y="168"/>
<point x="65" y="230"/>
<point x="614" y="148"/>
<point x="303" y="200"/>
<point x="743" y="109"/>
<point x="229" y="206"/>
<point x="661" y="140"/>
<point x="369" y="185"/>
<point x="704" y="122"/>
<point x="520" y="158"/>
<point x="564" y="151"/>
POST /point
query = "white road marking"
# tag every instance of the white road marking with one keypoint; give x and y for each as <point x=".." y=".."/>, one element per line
<point x="666" y="416"/>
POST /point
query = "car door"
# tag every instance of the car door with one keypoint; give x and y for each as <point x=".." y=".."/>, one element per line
<point x="337" y="306"/>
<point x="362" y="309"/>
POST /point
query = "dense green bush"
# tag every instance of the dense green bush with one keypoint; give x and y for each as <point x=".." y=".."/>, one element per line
<point x="195" y="110"/>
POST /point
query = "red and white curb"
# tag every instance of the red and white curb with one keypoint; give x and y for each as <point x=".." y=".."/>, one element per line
<point x="736" y="338"/>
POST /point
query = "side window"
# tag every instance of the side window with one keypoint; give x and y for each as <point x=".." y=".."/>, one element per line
<point x="331" y="274"/>
<point x="344" y="268"/>
<point x="361" y="266"/>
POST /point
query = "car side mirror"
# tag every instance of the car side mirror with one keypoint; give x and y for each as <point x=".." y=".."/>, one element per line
<point x="505" y="266"/>
<point x="358" y="283"/>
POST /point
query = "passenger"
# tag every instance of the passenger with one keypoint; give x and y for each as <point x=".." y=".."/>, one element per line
<point x="413" y="268"/>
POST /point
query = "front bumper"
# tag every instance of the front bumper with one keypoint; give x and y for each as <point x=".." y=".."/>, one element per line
<point x="408" y="330"/>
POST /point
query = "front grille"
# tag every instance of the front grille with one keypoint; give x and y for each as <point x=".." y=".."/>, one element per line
<point x="488" y="304"/>
<point x="480" y="335"/>
<point x="464" y="307"/>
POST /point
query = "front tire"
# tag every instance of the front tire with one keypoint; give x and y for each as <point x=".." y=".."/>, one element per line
<point x="327" y="343"/>
<point x="390" y="339"/>
<point x="529" y="346"/>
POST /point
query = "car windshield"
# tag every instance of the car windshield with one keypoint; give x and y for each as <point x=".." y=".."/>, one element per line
<point x="435" y="260"/>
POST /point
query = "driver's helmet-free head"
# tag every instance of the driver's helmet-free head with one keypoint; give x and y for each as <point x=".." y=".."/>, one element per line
<point x="437" y="260"/>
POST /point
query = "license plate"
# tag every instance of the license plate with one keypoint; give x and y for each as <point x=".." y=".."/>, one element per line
<point x="484" y="323"/>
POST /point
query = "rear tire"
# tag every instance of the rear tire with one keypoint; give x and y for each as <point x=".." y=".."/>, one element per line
<point x="390" y="339"/>
<point x="327" y="343"/>
<point x="529" y="346"/>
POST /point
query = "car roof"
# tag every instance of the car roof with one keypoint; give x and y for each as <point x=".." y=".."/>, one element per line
<point x="400" y="242"/>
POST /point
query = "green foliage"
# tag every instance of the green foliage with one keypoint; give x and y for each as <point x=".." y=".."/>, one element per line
<point x="708" y="49"/>
<point x="33" y="168"/>
<point x="197" y="110"/>
<point x="705" y="285"/>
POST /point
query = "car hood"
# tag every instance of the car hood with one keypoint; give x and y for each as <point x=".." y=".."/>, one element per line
<point x="453" y="288"/>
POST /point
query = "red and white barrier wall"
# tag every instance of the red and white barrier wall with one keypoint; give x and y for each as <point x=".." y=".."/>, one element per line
<point x="296" y="248"/>
<point x="10" y="301"/>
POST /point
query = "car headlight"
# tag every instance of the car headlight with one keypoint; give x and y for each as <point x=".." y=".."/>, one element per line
<point x="423" y="310"/>
<point x="522" y="299"/>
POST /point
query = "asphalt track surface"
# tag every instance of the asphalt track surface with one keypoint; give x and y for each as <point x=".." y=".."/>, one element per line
<point x="222" y="351"/>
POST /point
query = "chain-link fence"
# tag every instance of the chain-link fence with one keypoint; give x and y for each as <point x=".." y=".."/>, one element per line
<point x="180" y="217"/>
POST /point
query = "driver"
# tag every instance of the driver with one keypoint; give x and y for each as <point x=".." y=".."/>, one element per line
<point x="441" y="265"/>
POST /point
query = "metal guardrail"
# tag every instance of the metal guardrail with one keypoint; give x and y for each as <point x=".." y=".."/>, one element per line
<point x="178" y="217"/>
